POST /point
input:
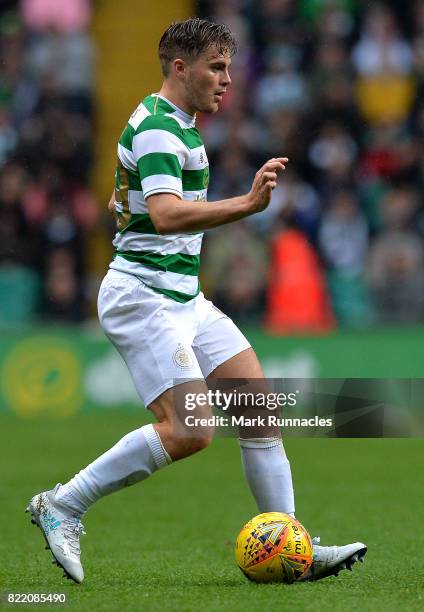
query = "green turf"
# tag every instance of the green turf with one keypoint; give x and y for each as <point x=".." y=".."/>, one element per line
<point x="167" y="544"/>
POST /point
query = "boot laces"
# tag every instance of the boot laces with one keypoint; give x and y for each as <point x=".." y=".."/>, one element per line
<point x="73" y="529"/>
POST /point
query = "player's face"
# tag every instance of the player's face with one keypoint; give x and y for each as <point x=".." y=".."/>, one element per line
<point x="207" y="79"/>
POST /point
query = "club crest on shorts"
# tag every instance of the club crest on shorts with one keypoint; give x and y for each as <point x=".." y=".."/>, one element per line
<point x="182" y="357"/>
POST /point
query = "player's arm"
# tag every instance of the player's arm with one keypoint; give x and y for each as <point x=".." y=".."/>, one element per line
<point x="111" y="205"/>
<point x="170" y="214"/>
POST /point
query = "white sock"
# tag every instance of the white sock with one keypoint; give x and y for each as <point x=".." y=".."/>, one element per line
<point x="135" y="457"/>
<point x="268" y="473"/>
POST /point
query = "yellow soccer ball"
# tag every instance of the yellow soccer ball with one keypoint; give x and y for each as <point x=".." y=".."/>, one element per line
<point x="273" y="547"/>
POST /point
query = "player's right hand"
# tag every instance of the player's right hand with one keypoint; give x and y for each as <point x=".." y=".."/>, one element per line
<point x="264" y="182"/>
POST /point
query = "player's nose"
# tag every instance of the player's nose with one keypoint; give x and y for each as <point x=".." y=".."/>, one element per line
<point x="226" y="80"/>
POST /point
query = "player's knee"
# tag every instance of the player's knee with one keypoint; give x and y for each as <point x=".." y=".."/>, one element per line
<point x="181" y="442"/>
<point x="184" y="447"/>
<point x="192" y="445"/>
<point x="202" y="442"/>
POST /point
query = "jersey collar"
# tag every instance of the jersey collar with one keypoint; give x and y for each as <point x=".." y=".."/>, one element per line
<point x="189" y="119"/>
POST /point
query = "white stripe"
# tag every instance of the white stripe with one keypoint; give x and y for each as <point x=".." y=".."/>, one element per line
<point x="200" y="195"/>
<point x="182" y="122"/>
<point x="162" y="183"/>
<point x="127" y="158"/>
<point x="187" y="244"/>
<point x="189" y="120"/>
<point x="159" y="141"/>
<point x="156" y="278"/>
<point x="138" y="115"/>
<point x="139" y="205"/>
<point x="193" y="162"/>
<point x="136" y="201"/>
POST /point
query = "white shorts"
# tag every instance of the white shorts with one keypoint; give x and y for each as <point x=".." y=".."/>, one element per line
<point x="162" y="340"/>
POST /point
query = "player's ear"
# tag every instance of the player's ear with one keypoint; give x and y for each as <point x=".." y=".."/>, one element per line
<point x="179" y="67"/>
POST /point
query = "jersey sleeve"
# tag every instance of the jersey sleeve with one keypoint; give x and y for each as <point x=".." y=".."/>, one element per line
<point x="160" y="155"/>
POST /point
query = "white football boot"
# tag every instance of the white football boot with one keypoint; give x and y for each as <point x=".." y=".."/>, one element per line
<point x="329" y="560"/>
<point x="61" y="528"/>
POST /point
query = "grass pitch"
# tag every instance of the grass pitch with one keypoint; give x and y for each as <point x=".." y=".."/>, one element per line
<point x="167" y="544"/>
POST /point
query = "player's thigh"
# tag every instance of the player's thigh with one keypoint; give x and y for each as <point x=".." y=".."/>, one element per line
<point x="189" y="397"/>
<point x="242" y="375"/>
<point x="219" y="341"/>
<point x="243" y="365"/>
<point x="236" y="370"/>
<point x="152" y="335"/>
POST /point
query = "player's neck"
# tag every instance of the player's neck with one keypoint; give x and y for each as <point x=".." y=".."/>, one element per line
<point x="173" y="95"/>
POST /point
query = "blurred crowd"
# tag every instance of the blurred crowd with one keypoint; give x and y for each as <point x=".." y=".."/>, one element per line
<point x="338" y="87"/>
<point x="46" y="123"/>
<point x="335" y="85"/>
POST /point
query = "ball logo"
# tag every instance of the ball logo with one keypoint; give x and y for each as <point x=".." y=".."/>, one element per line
<point x="182" y="358"/>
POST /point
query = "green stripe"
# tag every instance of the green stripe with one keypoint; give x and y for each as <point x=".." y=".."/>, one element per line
<point x="195" y="180"/>
<point x="140" y="222"/>
<point x="127" y="137"/>
<point x="189" y="136"/>
<point x="178" y="296"/>
<point x="133" y="180"/>
<point x="161" y="106"/>
<point x="159" y="163"/>
<point x="179" y="263"/>
<point x="149" y="102"/>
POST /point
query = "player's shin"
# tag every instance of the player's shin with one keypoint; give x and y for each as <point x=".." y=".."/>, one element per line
<point x="268" y="473"/>
<point x="134" y="458"/>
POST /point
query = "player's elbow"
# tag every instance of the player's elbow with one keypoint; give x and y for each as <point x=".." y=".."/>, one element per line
<point x="157" y="224"/>
<point x="163" y="213"/>
<point x="166" y="221"/>
<point x="162" y="224"/>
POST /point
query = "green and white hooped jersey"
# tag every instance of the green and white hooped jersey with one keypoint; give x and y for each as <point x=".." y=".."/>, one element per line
<point x="159" y="151"/>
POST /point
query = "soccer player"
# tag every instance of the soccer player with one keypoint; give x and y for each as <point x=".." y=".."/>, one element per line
<point x="151" y="307"/>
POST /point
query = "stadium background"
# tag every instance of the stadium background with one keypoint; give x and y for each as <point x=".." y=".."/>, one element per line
<point x="328" y="282"/>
